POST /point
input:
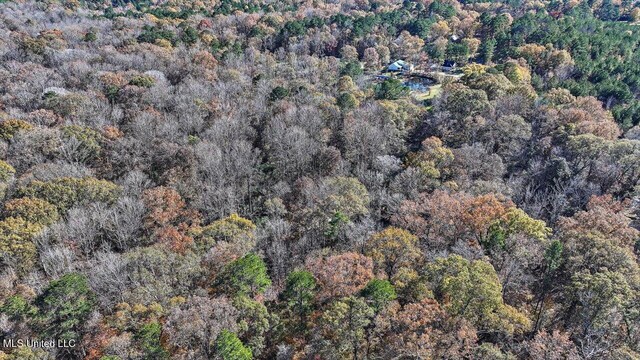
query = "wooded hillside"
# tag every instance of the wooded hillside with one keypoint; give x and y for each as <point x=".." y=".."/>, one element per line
<point x="251" y="179"/>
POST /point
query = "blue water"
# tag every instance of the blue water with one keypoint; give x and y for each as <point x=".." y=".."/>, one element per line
<point x="418" y="84"/>
<point x="416" y="87"/>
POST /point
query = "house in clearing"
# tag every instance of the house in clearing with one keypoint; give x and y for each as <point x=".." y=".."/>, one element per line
<point x="400" y="65"/>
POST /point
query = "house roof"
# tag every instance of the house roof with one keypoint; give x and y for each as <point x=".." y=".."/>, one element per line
<point x="399" y="65"/>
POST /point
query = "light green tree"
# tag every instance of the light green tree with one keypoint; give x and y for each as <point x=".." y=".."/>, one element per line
<point x="245" y="276"/>
<point x="391" y="249"/>
<point x="471" y="289"/>
<point x="299" y="291"/>
<point x="342" y="328"/>
<point x="229" y="347"/>
<point x="64" y="306"/>
<point x="379" y="293"/>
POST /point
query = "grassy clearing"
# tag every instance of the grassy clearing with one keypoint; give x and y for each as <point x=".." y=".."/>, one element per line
<point x="432" y="93"/>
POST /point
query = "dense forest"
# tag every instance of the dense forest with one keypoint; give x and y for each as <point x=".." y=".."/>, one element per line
<point x="320" y="179"/>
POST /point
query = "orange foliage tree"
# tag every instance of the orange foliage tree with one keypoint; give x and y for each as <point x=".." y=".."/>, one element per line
<point x="341" y="275"/>
<point x="168" y="220"/>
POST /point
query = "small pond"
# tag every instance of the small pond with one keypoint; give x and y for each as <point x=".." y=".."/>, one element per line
<point x="418" y="84"/>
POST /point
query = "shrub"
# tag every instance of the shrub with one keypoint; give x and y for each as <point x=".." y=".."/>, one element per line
<point x="89" y="139"/>
<point x="65" y="193"/>
<point x="34" y="210"/>
<point x="189" y="35"/>
<point x="6" y="171"/>
<point x="17" y="308"/>
<point x="16" y="243"/>
<point x="9" y="128"/>
<point x="232" y="228"/>
<point x="278" y="93"/>
<point x="149" y="338"/>
<point x="347" y="101"/>
<point x="352" y="68"/>
<point x="152" y="34"/>
<point x="90" y="36"/>
<point x="145" y="81"/>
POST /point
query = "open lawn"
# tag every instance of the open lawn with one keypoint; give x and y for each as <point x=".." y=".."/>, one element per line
<point x="432" y="93"/>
